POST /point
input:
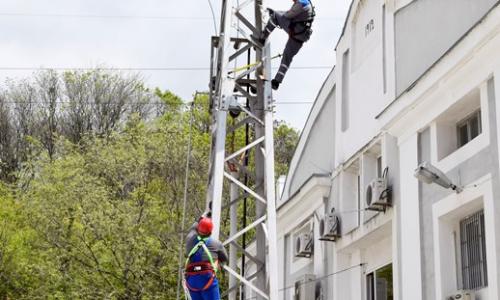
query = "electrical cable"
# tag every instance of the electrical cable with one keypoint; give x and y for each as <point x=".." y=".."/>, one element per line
<point x="322" y="277"/>
<point x="317" y="279"/>
<point x="141" y="102"/>
<point x="145" y="17"/>
<point x="245" y="181"/>
<point x="139" y="68"/>
<point x="89" y="16"/>
<point x="475" y="185"/>
<point x="184" y="201"/>
<point x="213" y="16"/>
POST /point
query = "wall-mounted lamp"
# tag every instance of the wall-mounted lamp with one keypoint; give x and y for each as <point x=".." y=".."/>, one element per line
<point x="427" y="173"/>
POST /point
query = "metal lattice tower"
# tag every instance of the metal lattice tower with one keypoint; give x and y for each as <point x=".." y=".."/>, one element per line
<point x="229" y="89"/>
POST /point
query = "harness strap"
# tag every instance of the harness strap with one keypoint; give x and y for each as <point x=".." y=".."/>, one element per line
<point x="212" y="267"/>
<point x="202" y="243"/>
<point x="205" y="287"/>
<point x="210" y="257"/>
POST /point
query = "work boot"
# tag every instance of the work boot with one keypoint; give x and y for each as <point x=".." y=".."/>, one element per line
<point x="253" y="89"/>
<point x="259" y="40"/>
<point x="275" y="84"/>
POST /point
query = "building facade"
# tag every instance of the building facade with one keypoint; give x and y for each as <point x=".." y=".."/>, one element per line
<point x="415" y="82"/>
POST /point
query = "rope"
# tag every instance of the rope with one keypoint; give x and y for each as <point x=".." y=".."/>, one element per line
<point x="245" y="67"/>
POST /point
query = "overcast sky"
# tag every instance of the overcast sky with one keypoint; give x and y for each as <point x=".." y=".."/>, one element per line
<point x="180" y="38"/>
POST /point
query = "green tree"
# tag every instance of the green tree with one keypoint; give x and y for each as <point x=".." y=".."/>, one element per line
<point x="285" y="142"/>
<point x="99" y="216"/>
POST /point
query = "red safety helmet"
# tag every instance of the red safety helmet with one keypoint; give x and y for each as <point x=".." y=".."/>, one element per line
<point x="205" y="226"/>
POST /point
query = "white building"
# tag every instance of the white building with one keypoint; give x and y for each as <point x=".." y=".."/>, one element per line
<point x="415" y="82"/>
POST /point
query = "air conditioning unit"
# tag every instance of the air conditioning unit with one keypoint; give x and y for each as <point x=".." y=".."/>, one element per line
<point x="304" y="245"/>
<point x="378" y="195"/>
<point x="305" y="288"/>
<point x="329" y="227"/>
<point x="463" y="295"/>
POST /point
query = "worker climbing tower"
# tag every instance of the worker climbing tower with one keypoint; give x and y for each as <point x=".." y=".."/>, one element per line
<point x="230" y="95"/>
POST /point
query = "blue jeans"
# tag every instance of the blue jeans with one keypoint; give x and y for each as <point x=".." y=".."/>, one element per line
<point x="212" y="293"/>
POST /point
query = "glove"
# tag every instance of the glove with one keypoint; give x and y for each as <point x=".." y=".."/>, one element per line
<point x="207" y="214"/>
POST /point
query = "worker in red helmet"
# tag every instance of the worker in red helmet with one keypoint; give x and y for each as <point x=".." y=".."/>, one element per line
<point x="204" y="256"/>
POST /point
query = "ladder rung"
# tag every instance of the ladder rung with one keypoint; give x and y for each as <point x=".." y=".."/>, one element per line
<point x="239" y="40"/>
<point x="246" y="82"/>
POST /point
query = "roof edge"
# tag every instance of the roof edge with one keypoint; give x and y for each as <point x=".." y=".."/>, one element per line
<point x="304" y="135"/>
<point x="345" y="24"/>
<point x="309" y="179"/>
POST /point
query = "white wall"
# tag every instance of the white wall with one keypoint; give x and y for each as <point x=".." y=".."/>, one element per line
<point x="411" y="274"/>
<point x="426" y="29"/>
<point x="366" y="85"/>
<point x="396" y="236"/>
<point x="315" y="150"/>
<point x="316" y="156"/>
<point x="354" y="263"/>
<point x="307" y="206"/>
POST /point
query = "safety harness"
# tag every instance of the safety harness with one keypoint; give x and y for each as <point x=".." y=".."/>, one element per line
<point x="198" y="268"/>
<point x="306" y="25"/>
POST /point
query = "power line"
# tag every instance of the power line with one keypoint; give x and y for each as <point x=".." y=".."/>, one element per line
<point x="139" y="68"/>
<point x="145" y="17"/>
<point x="277" y="102"/>
<point x="104" y="69"/>
<point x="184" y="201"/>
<point x="213" y="16"/>
<point x="83" y="16"/>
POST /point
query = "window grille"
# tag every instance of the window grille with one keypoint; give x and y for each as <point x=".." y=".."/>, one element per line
<point x="473" y="252"/>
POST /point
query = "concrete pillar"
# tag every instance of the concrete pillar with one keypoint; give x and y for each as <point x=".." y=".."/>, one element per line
<point x="409" y="218"/>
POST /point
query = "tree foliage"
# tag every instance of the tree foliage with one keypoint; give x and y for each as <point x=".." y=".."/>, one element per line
<point x="92" y="185"/>
<point x="72" y="105"/>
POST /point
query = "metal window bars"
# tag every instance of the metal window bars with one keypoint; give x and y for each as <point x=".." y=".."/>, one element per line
<point x="473" y="252"/>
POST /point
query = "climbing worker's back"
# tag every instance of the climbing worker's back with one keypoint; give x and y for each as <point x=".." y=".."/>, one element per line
<point x="204" y="255"/>
<point x="297" y="22"/>
<point x="301" y="16"/>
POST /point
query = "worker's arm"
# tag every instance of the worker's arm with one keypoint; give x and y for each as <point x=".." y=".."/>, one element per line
<point x="296" y="9"/>
<point x="191" y="236"/>
<point x="192" y="230"/>
<point x="221" y="253"/>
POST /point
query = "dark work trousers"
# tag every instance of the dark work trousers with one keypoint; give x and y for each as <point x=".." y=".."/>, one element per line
<point x="292" y="46"/>
<point x="291" y="49"/>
